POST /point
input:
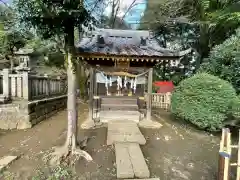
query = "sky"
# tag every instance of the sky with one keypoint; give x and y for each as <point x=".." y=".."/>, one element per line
<point x="133" y="16"/>
<point x="135" y="13"/>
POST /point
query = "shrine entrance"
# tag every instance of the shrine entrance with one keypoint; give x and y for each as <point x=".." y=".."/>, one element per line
<point x="120" y="83"/>
<point x="121" y="69"/>
<point x="118" y="91"/>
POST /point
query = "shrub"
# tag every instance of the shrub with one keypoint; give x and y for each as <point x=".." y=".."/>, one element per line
<point x="203" y="100"/>
<point x="235" y="108"/>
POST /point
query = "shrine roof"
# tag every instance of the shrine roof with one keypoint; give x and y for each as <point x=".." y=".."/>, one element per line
<point x="125" y="43"/>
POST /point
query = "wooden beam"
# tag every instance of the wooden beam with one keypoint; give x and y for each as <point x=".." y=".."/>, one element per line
<point x="149" y="97"/>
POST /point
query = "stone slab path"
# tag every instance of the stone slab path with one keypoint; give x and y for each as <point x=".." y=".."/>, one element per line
<point x="144" y="179"/>
<point x="124" y="131"/>
<point x="5" y="161"/>
<point x="123" y="161"/>
<point x="127" y="138"/>
<point x="130" y="161"/>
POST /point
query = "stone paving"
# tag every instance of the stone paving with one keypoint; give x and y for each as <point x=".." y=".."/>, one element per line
<point x="127" y="138"/>
<point x="144" y="179"/>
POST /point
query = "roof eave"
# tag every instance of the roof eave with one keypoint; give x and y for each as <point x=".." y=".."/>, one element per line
<point x="96" y="54"/>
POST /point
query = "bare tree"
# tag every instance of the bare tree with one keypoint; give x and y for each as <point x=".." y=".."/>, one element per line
<point x="119" y="11"/>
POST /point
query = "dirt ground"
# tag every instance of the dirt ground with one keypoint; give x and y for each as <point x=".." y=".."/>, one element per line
<point x="174" y="152"/>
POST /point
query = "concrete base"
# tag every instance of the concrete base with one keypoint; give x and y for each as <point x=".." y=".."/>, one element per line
<point x="149" y="124"/>
<point x="88" y="124"/>
<point x="24" y="114"/>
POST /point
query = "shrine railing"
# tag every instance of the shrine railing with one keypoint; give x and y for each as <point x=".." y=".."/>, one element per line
<point x="226" y="164"/>
<point x="161" y="100"/>
<point x="30" y="87"/>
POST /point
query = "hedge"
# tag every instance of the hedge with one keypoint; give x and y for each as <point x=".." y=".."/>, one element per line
<point x="203" y="100"/>
<point x="235" y="108"/>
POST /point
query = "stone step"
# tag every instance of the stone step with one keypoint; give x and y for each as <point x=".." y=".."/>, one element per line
<point x="119" y="100"/>
<point x="111" y="107"/>
<point x="119" y="97"/>
<point x="107" y="116"/>
<point x="124" y="131"/>
<point x="130" y="161"/>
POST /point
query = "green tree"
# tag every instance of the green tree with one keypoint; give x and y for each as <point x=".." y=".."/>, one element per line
<point x="171" y="34"/>
<point x="57" y="19"/>
<point x="224" y="61"/>
<point x="11" y="39"/>
<point x="217" y="20"/>
<point x="213" y="20"/>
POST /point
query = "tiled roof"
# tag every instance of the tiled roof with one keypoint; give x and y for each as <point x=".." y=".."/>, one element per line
<point x="124" y="42"/>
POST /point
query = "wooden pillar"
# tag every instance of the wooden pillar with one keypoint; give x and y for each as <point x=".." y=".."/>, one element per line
<point x="94" y="82"/>
<point x="91" y="88"/>
<point x="149" y="97"/>
<point x="238" y="160"/>
<point x="224" y="155"/>
<point x="94" y="94"/>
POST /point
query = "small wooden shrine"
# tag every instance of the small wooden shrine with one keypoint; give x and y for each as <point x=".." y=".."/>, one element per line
<point x="121" y="69"/>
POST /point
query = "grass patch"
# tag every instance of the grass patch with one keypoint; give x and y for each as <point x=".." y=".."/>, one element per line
<point x="61" y="172"/>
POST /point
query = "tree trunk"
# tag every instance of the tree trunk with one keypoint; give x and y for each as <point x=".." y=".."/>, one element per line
<point x="70" y="147"/>
<point x="71" y="103"/>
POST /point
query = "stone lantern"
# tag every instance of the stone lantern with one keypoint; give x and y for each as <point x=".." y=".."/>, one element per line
<point x="23" y="58"/>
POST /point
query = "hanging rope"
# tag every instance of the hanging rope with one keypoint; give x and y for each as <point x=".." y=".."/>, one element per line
<point x="133" y="81"/>
<point x="125" y="82"/>
<point x="135" y="85"/>
<point x="121" y="73"/>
